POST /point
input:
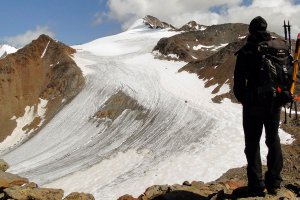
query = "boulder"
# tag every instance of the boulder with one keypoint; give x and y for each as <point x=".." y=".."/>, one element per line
<point x="79" y="196"/>
<point x="31" y="185"/>
<point x="24" y="193"/>
<point x="3" y="165"/>
<point x="9" y="180"/>
<point x="127" y="197"/>
<point x="155" y="191"/>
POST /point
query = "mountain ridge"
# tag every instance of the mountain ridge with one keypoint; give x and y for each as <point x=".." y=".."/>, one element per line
<point x="41" y="73"/>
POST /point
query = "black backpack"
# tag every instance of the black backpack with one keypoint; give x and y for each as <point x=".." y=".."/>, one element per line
<point x="275" y="78"/>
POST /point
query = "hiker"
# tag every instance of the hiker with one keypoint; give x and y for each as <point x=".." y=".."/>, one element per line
<point x="257" y="113"/>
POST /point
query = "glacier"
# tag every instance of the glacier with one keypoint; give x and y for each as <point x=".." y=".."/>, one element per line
<point x="184" y="136"/>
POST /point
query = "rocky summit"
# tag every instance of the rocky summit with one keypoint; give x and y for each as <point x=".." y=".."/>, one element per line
<point x="154" y="23"/>
<point x="35" y="82"/>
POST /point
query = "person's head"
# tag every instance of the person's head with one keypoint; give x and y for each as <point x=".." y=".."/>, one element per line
<point x="257" y="24"/>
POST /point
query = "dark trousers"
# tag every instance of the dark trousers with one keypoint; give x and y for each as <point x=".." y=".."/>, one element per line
<point x="254" y="118"/>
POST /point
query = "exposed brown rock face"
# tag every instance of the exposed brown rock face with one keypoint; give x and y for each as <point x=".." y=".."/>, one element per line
<point x="155" y="23"/>
<point x="41" y="72"/>
<point x="217" y="69"/>
<point x="118" y="103"/>
<point x="192" y="26"/>
<point x="198" y="45"/>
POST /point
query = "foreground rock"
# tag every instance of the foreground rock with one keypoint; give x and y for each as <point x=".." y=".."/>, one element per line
<point x="10" y="180"/>
<point x="79" y="196"/>
<point x="230" y="189"/>
<point x="15" y="187"/>
<point x="3" y="165"/>
<point x="23" y="192"/>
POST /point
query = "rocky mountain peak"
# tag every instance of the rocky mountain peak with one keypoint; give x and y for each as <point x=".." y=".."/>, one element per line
<point x="192" y="26"/>
<point x="155" y="23"/>
<point x="35" y="82"/>
<point x="45" y="46"/>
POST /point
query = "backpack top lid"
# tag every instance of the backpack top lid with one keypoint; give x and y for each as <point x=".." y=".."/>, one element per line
<point x="275" y="47"/>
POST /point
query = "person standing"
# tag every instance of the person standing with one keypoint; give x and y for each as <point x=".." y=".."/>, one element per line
<point x="257" y="113"/>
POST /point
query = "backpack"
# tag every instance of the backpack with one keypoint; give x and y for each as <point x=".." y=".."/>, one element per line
<point x="276" y="71"/>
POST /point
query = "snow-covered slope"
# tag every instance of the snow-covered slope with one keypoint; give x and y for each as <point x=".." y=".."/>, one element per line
<point x="182" y="136"/>
<point x="6" y="48"/>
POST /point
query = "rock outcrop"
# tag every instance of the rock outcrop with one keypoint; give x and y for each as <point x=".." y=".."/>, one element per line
<point x="154" y="23"/>
<point x="19" y="188"/>
<point x="217" y="70"/>
<point x="116" y="104"/>
<point x="198" y="45"/>
<point x="3" y="165"/>
<point x="35" y="82"/>
<point x="192" y="26"/>
<point x="23" y="192"/>
<point x="79" y="196"/>
<point x="11" y="180"/>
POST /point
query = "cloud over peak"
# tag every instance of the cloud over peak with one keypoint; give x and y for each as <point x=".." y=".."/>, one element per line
<point x="178" y="12"/>
<point x="25" y="38"/>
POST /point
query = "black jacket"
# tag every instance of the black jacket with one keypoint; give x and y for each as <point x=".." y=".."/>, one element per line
<point x="246" y="74"/>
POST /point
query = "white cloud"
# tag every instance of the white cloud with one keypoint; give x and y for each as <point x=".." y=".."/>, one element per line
<point x="28" y="36"/>
<point x="179" y="12"/>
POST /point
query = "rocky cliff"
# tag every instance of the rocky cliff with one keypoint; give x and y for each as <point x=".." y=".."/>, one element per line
<point x="35" y="82"/>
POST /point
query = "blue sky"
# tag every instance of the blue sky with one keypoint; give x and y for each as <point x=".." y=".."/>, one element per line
<point x="70" y="21"/>
<point x="80" y="21"/>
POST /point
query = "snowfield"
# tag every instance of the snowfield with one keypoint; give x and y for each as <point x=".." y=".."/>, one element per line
<point x="7" y="49"/>
<point x="184" y="136"/>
